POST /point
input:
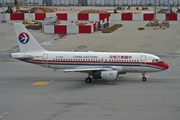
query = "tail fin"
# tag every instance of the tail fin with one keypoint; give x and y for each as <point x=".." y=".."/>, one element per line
<point x="27" y="43"/>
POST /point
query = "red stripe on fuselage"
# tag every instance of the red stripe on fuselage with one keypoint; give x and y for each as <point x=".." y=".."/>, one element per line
<point x="156" y="64"/>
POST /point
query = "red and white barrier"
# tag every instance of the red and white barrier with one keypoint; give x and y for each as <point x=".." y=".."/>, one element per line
<point x="115" y="17"/>
<point x="48" y="29"/>
<point x="178" y="17"/>
<point x="32" y="16"/>
<point x="93" y="17"/>
<point x="137" y="17"/>
<point x="90" y="16"/>
<point x="161" y="16"/>
<point x="88" y="28"/>
<point x="72" y="16"/>
<point x="72" y="29"/>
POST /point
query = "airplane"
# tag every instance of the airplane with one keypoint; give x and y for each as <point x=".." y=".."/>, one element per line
<point x="102" y="65"/>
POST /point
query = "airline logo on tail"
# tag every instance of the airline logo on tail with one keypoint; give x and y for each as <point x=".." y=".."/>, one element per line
<point x="23" y="38"/>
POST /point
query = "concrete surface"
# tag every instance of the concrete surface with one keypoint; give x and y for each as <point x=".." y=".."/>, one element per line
<point x="67" y="96"/>
<point x="125" y="39"/>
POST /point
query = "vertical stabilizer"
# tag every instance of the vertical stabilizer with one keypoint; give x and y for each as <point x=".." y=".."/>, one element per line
<point x="27" y="43"/>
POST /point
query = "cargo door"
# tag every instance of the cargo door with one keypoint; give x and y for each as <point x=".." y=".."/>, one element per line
<point x="120" y="2"/>
<point x="93" y="2"/>
<point x="58" y="2"/>
<point x="129" y="2"/>
<point x="134" y="2"/>
<point x="143" y="60"/>
<point x="84" y="3"/>
<point x="117" y="2"/>
<point x="111" y="2"/>
<point x="97" y="2"/>
<point x="138" y="2"/>
<point x="67" y="3"/>
<point x="107" y="2"/>
<point x="148" y="2"/>
<point x="152" y="2"/>
<point x="125" y="2"/>
<point x="75" y="2"/>
<point x="166" y="2"/>
<point x="157" y="2"/>
<point x="161" y="2"/>
<point x="175" y="2"/>
<point x="102" y="2"/>
<point x="143" y="2"/>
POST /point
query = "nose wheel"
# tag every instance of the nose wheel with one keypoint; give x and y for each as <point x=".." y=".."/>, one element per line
<point x="143" y="76"/>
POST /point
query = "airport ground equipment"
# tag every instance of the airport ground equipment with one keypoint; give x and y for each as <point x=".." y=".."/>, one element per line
<point x="178" y="10"/>
<point x="112" y="28"/>
<point x="51" y="21"/>
<point x="141" y="28"/>
<point x="158" y="24"/>
<point x="29" y="22"/>
<point x="34" y="27"/>
<point x="10" y="9"/>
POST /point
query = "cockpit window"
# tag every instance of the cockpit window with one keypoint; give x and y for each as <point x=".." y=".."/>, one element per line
<point x="157" y="60"/>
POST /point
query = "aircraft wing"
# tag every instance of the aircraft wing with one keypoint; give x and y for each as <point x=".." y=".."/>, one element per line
<point x="87" y="69"/>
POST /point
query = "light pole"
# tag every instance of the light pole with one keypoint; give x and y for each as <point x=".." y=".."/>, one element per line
<point x="168" y="7"/>
<point x="3" y="21"/>
<point x="38" y="6"/>
<point x="29" y="9"/>
<point x="154" y="8"/>
<point x="115" y="11"/>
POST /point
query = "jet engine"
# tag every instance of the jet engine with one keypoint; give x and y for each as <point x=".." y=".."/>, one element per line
<point x="107" y="75"/>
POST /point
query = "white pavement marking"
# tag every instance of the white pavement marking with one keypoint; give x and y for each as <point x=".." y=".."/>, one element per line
<point x="3" y="114"/>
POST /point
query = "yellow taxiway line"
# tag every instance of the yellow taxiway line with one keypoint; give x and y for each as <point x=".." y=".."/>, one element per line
<point x="43" y="83"/>
<point x="174" y="63"/>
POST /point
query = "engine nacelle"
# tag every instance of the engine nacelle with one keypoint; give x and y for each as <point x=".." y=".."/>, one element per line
<point x="109" y="75"/>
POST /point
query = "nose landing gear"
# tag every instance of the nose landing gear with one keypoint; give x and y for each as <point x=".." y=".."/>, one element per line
<point x="143" y="76"/>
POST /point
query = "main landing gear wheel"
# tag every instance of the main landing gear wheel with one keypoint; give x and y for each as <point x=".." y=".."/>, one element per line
<point x="144" y="79"/>
<point x="88" y="80"/>
<point x="143" y="76"/>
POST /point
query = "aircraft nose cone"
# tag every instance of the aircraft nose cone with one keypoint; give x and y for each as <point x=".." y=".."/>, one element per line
<point x="166" y="66"/>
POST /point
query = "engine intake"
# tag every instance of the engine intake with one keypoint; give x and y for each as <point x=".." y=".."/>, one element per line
<point x="109" y="75"/>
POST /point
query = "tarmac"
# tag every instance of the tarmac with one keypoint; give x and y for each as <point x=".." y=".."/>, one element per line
<point x="30" y="92"/>
<point x="125" y="39"/>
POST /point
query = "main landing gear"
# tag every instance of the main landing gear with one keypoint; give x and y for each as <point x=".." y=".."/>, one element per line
<point x="143" y="76"/>
<point x="88" y="80"/>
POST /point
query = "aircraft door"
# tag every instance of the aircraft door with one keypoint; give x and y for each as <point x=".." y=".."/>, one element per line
<point x="143" y="60"/>
<point x="45" y="58"/>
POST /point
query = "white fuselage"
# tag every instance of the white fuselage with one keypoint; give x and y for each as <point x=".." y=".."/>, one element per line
<point x="122" y="62"/>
